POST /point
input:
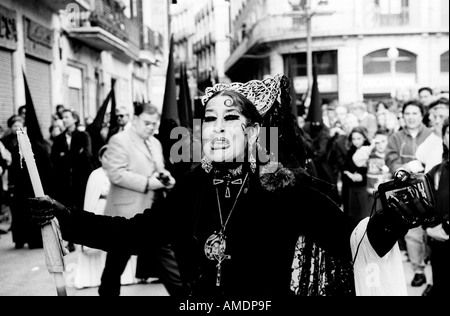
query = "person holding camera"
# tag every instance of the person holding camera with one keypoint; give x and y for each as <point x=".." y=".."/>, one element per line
<point x="135" y="167"/>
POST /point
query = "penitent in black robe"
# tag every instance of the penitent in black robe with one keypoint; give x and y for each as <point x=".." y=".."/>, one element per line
<point x="262" y="233"/>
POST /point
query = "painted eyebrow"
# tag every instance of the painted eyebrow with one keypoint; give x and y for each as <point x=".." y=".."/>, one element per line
<point x="232" y="110"/>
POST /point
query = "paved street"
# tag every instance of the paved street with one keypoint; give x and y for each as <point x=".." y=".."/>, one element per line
<point x="23" y="273"/>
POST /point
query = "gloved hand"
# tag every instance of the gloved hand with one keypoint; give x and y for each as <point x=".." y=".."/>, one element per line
<point x="388" y="225"/>
<point x="417" y="210"/>
<point x="44" y="209"/>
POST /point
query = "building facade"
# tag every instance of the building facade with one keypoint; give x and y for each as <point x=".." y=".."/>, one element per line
<point x="362" y="49"/>
<point x="201" y="31"/>
<point x="72" y="52"/>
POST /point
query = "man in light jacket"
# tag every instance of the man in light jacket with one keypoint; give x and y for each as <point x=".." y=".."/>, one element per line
<point x="135" y="167"/>
<point x="401" y="153"/>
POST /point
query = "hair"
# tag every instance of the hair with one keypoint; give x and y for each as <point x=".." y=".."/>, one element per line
<point x="123" y="109"/>
<point x="359" y="105"/>
<point x="381" y="132"/>
<point x="102" y="151"/>
<point x="441" y="101"/>
<point x="291" y="140"/>
<point x="379" y="104"/>
<point x="425" y="89"/>
<point x="21" y="109"/>
<point x="13" y="119"/>
<point x="146" y="107"/>
<point x="245" y="106"/>
<point x="74" y="115"/>
<point x="445" y="126"/>
<point x="413" y="103"/>
<point x="361" y="130"/>
<point x="444" y="129"/>
<point x="59" y="106"/>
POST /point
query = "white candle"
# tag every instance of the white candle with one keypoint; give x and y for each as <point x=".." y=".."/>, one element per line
<point x="52" y="244"/>
<point x="26" y="153"/>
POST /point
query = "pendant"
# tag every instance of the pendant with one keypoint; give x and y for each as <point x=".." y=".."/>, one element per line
<point x="215" y="247"/>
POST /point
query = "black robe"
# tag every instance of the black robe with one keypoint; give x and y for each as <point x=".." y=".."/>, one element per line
<point x="261" y="233"/>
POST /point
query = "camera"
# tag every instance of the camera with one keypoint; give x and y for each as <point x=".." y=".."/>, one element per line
<point x="163" y="178"/>
<point x="417" y="185"/>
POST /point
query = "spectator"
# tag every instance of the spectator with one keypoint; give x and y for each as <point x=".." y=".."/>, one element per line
<point x="20" y="188"/>
<point x="5" y="162"/>
<point x="365" y="119"/>
<point x="426" y="98"/>
<point x="373" y="156"/>
<point x="22" y="111"/>
<point x="90" y="261"/>
<point x="55" y="129"/>
<point x="381" y="107"/>
<point x="123" y="121"/>
<point x="337" y="152"/>
<point x="438" y="233"/>
<point x="58" y="113"/>
<point x="134" y="163"/>
<point x="430" y="152"/>
<point x="356" y="177"/>
<point x="71" y="158"/>
<point x="401" y="153"/>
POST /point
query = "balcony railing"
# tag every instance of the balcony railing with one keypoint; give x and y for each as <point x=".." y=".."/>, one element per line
<point x="154" y="41"/>
<point x="106" y="14"/>
<point x="272" y="27"/>
<point x="379" y="19"/>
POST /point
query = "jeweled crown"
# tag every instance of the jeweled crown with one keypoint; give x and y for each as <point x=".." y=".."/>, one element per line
<point x="262" y="93"/>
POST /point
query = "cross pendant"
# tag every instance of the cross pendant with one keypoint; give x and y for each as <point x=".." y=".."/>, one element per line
<point x="219" y="268"/>
<point x="219" y="273"/>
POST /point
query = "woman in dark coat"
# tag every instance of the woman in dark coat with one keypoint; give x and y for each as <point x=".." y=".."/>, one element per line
<point x="356" y="177"/>
<point x="234" y="221"/>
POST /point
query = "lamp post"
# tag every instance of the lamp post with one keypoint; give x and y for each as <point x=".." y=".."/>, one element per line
<point x="307" y="13"/>
<point x="393" y="55"/>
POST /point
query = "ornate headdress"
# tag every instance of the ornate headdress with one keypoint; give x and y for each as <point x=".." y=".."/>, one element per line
<point x="262" y="93"/>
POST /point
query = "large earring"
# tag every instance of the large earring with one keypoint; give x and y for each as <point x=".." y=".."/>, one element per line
<point x="206" y="164"/>
<point x="251" y="159"/>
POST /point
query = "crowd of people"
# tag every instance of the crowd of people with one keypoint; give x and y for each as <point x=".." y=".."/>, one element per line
<point x="359" y="148"/>
<point x="353" y="147"/>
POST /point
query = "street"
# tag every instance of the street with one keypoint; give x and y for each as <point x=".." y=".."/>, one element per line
<point x="23" y="273"/>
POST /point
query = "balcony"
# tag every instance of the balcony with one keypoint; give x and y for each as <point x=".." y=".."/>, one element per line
<point x="271" y="28"/>
<point x="105" y="27"/>
<point x="380" y="19"/>
<point x="57" y="5"/>
<point x="151" y="47"/>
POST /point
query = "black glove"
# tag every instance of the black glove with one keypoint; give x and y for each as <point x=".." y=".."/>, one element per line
<point x="44" y="209"/>
<point x="388" y="225"/>
<point x="416" y="209"/>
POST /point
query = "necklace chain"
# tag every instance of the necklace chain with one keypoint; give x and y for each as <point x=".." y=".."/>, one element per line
<point x="224" y="226"/>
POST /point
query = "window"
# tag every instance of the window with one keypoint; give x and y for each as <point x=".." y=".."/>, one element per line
<point x="326" y="63"/>
<point x="378" y="63"/>
<point x="390" y="6"/>
<point x="392" y="12"/>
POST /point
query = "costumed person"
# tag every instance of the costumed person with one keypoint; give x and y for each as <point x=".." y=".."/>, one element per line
<point x="235" y="219"/>
<point x="90" y="261"/>
<point x="20" y="188"/>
